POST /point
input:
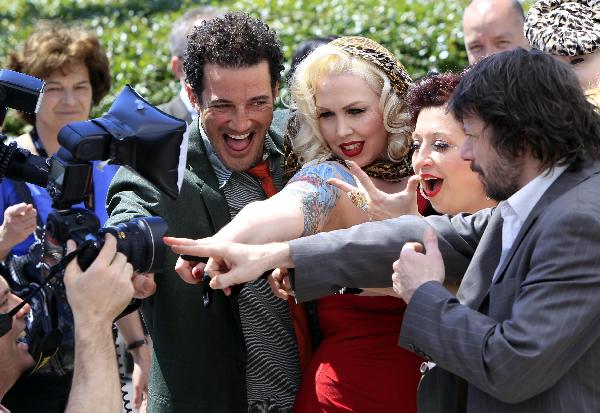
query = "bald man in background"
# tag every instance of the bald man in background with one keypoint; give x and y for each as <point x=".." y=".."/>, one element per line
<point x="491" y="26"/>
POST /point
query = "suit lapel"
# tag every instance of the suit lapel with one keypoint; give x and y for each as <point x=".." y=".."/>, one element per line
<point x="563" y="184"/>
<point x="204" y="176"/>
<point x="478" y="276"/>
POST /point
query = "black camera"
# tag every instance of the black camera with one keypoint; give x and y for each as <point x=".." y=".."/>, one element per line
<point x="24" y="93"/>
<point x="134" y="134"/>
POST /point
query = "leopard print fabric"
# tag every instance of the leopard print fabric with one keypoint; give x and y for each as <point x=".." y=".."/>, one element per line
<point x="383" y="169"/>
<point x="564" y="27"/>
<point x="380" y="57"/>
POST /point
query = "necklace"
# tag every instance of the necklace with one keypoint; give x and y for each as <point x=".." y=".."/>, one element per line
<point x="383" y="169"/>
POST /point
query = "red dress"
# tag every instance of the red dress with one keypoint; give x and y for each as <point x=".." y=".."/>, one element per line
<point x="358" y="367"/>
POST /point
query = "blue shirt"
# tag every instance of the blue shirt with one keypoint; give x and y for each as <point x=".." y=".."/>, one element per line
<point x="43" y="202"/>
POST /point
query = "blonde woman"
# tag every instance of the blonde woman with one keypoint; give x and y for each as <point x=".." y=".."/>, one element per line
<point x="350" y="100"/>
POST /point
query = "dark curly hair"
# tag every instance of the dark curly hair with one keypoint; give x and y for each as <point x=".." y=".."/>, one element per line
<point x="55" y="47"/>
<point x="433" y="90"/>
<point x="532" y="102"/>
<point x="234" y="40"/>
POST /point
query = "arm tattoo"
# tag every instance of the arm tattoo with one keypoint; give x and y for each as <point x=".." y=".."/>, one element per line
<point x="317" y="198"/>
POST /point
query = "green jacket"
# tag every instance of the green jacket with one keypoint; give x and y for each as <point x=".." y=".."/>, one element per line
<point x="199" y="353"/>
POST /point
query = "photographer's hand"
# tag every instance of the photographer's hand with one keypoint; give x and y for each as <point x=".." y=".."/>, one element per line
<point x="143" y="284"/>
<point x="97" y="295"/>
<point x="19" y="222"/>
<point x="100" y="293"/>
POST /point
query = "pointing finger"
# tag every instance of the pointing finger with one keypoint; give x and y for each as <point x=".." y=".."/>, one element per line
<point x="171" y="241"/>
<point x="344" y="186"/>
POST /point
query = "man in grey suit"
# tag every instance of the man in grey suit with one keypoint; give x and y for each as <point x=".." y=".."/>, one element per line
<point x="180" y="106"/>
<point x="522" y="333"/>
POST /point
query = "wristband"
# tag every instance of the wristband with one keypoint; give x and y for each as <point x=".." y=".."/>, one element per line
<point x="136" y="344"/>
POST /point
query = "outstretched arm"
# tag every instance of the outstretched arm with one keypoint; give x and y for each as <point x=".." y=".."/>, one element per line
<point x="304" y="207"/>
<point x="360" y="256"/>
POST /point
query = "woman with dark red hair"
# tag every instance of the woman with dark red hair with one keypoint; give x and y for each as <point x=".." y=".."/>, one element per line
<point x="446" y="180"/>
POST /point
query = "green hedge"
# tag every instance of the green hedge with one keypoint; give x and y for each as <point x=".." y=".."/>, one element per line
<point x="424" y="34"/>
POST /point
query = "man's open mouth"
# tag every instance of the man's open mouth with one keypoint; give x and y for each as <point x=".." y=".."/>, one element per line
<point x="238" y="143"/>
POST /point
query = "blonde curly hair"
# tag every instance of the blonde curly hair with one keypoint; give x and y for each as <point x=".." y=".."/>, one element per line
<point x="330" y="60"/>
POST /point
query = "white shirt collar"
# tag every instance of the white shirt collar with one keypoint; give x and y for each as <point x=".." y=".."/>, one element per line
<point x="186" y="102"/>
<point x="523" y="201"/>
<point x="517" y="208"/>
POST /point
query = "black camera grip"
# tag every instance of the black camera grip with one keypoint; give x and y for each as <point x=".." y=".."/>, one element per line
<point x="89" y="250"/>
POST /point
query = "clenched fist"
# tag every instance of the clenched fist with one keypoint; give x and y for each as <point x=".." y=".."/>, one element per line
<point x="20" y="221"/>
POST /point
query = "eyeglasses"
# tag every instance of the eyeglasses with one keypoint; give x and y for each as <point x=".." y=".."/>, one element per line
<point x="6" y="318"/>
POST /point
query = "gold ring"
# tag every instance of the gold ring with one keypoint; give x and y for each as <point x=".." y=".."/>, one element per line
<point x="358" y="199"/>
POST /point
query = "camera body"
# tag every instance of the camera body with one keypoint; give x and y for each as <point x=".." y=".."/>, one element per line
<point x="134" y="134"/>
<point x="139" y="239"/>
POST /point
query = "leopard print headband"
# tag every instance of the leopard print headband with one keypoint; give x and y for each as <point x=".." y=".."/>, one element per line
<point x="378" y="55"/>
<point x="399" y="81"/>
<point x="564" y="27"/>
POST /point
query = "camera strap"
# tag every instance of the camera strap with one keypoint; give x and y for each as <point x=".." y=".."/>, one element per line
<point x="56" y="269"/>
<point x="46" y="347"/>
<point x="37" y="143"/>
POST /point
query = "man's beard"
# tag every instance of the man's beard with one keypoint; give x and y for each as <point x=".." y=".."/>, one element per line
<point x="504" y="181"/>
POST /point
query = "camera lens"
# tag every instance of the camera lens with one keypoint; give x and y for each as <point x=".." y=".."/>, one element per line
<point x="141" y="241"/>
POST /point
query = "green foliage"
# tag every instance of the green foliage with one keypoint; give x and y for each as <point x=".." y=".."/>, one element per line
<point x="133" y="32"/>
<point x="424" y="34"/>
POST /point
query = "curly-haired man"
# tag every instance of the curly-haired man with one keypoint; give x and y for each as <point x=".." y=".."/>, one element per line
<point x="218" y="354"/>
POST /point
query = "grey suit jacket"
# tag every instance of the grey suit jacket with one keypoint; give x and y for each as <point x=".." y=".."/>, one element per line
<point x="176" y="107"/>
<point x="529" y="342"/>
